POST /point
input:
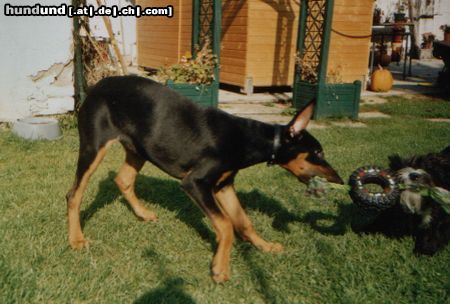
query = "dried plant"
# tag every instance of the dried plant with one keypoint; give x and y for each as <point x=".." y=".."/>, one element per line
<point x="401" y="6"/>
<point x="97" y="60"/>
<point x="197" y="70"/>
<point x="334" y="75"/>
<point x="307" y="68"/>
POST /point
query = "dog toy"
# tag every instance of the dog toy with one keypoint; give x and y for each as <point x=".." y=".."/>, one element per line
<point x="373" y="200"/>
<point x="357" y="188"/>
<point x="368" y="199"/>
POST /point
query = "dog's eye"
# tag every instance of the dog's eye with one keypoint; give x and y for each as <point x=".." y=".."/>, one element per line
<point x="319" y="154"/>
<point x="414" y="176"/>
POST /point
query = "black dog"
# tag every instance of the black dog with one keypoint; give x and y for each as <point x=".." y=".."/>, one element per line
<point x="203" y="147"/>
<point x="414" y="214"/>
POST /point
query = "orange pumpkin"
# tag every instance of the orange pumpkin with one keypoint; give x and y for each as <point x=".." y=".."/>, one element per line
<point x="381" y="80"/>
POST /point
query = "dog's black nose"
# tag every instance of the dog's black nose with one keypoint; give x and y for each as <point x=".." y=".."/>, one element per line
<point x="414" y="176"/>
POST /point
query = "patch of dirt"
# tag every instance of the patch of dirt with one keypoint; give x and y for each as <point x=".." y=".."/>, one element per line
<point x="439" y="120"/>
<point x="373" y="114"/>
<point x="373" y="100"/>
<point x="349" y="124"/>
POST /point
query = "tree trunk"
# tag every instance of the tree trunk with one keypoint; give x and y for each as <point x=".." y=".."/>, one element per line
<point x="413" y="11"/>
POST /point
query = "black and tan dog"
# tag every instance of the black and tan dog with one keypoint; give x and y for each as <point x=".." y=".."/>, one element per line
<point x="203" y="147"/>
<point x="415" y="215"/>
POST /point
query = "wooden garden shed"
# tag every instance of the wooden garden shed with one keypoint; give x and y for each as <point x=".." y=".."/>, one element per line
<point x="259" y="40"/>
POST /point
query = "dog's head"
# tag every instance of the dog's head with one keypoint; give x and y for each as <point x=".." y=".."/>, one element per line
<point x="412" y="179"/>
<point x="301" y="153"/>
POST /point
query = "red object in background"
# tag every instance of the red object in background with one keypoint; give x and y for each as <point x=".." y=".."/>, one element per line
<point x="447" y="36"/>
<point x="398" y="33"/>
<point x="446" y="33"/>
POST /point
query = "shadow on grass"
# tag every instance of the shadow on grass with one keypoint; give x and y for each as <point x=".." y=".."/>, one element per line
<point x="170" y="291"/>
<point x="167" y="194"/>
<point x="393" y="223"/>
<point x="282" y="217"/>
<point x="260" y="276"/>
<point x="106" y="194"/>
<point x="318" y="220"/>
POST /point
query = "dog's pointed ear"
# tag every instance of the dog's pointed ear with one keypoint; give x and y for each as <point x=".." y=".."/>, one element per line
<point x="301" y="119"/>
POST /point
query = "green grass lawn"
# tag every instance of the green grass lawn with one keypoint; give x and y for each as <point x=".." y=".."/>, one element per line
<point x="416" y="107"/>
<point x="169" y="261"/>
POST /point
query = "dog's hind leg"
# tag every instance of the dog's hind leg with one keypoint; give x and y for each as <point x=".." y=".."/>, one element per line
<point x="125" y="181"/>
<point x="88" y="161"/>
<point x="229" y="202"/>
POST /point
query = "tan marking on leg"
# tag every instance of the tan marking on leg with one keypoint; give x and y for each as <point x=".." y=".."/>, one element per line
<point x="224" y="237"/>
<point x="224" y="176"/>
<point x="184" y="174"/>
<point x="76" y="237"/>
<point x="125" y="181"/>
<point x="229" y="202"/>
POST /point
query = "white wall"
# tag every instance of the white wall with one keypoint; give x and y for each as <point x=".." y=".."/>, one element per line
<point x="126" y="38"/>
<point x="30" y="45"/>
<point x="441" y="15"/>
<point x="34" y="50"/>
<point x="442" y="10"/>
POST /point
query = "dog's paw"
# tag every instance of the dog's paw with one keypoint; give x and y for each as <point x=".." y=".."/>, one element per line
<point x="220" y="277"/>
<point x="271" y="247"/>
<point x="276" y="247"/>
<point x="79" y="244"/>
<point x="146" y="215"/>
<point x="425" y="249"/>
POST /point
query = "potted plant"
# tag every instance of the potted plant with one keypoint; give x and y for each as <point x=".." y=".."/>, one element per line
<point x="427" y="40"/>
<point x="334" y="98"/>
<point x="399" y="19"/>
<point x="446" y="29"/>
<point x="193" y="77"/>
<point x="399" y="15"/>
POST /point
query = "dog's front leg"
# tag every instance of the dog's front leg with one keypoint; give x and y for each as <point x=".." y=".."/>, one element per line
<point x="426" y="242"/>
<point x="229" y="202"/>
<point x="198" y="187"/>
